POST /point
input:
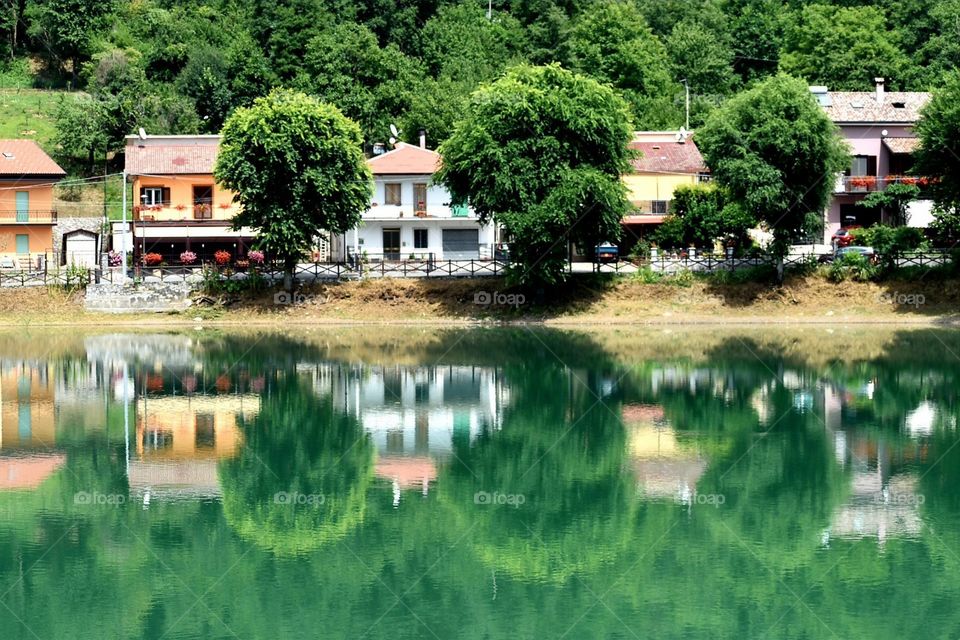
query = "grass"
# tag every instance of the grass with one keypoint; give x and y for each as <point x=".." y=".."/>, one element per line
<point x="31" y="114"/>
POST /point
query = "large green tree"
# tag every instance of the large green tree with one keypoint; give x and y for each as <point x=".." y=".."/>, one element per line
<point x="939" y="154"/>
<point x="297" y="168"/>
<point x="777" y="153"/>
<point x="611" y="42"/>
<point x="541" y="152"/>
<point x="66" y="29"/>
<point x="844" y="48"/>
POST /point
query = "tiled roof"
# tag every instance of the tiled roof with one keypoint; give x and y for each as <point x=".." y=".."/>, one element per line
<point x="667" y="157"/>
<point x="179" y="156"/>
<point x="405" y="159"/>
<point x="862" y="106"/>
<point x="26" y="158"/>
<point x="902" y="145"/>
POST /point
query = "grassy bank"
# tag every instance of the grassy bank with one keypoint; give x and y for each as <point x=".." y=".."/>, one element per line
<point x="598" y="300"/>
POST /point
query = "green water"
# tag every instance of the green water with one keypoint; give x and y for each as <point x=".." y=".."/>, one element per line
<point x="480" y="484"/>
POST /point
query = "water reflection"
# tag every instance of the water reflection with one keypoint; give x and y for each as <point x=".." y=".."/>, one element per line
<point x="700" y="483"/>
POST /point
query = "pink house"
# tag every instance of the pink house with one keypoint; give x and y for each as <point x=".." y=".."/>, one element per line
<point x="878" y="126"/>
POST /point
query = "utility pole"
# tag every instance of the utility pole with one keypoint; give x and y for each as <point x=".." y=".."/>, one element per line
<point x="123" y="244"/>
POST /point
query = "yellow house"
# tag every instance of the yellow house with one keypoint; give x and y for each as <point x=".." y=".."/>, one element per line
<point x="27" y="217"/>
<point x="177" y="205"/>
<point x="668" y="159"/>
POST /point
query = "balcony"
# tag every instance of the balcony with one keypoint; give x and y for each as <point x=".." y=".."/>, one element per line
<point x="868" y="184"/>
<point x="28" y="216"/>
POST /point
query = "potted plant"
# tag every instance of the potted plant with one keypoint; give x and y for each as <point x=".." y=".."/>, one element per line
<point x="114" y="259"/>
<point x="242" y="264"/>
<point x="255" y="257"/>
<point x="152" y="259"/>
<point x="187" y="258"/>
<point x="222" y="258"/>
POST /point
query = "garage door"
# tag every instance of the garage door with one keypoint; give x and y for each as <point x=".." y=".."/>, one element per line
<point x="461" y="244"/>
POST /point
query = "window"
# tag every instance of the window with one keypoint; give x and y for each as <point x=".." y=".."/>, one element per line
<point x="703" y="178"/>
<point x="863" y="166"/>
<point x="391" y="193"/>
<point x="420" y="239"/>
<point x="151" y="196"/>
<point x="659" y="207"/>
<point x="420" y="196"/>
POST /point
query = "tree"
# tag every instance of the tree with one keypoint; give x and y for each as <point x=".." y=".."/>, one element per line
<point x="939" y="133"/>
<point x="700" y="216"/>
<point x="756" y="28"/>
<point x="80" y="130"/>
<point x="612" y="43"/>
<point x="204" y="79"/>
<point x="541" y="152"/>
<point x="896" y="199"/>
<point x="297" y="168"/>
<point x="777" y="153"/>
<point x="66" y="28"/>
<point x="704" y="58"/>
<point x="844" y="48"/>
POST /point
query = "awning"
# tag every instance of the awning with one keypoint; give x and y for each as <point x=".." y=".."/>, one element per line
<point x="902" y="145"/>
<point x="642" y="219"/>
<point x="196" y="233"/>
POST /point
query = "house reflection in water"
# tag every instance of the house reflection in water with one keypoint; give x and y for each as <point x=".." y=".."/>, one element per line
<point x="180" y="438"/>
<point x="27" y="415"/>
<point x="414" y="414"/>
<point x="664" y="467"/>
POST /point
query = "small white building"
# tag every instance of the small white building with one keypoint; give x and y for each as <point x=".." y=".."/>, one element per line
<point x="410" y="217"/>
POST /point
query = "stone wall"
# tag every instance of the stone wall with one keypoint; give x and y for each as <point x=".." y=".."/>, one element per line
<point x="66" y="224"/>
<point x="138" y="298"/>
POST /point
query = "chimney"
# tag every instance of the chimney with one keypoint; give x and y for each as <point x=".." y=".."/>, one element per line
<point x="423" y="138"/>
<point x="879" y="82"/>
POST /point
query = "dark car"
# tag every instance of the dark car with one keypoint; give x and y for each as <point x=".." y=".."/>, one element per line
<point x="501" y="252"/>
<point x="866" y="252"/>
<point x="607" y="252"/>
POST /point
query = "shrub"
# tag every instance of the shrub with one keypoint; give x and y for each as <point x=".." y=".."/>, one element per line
<point x="852" y="266"/>
<point x="682" y="278"/>
<point x="222" y="257"/>
<point x="152" y="259"/>
<point x="646" y="275"/>
<point x="188" y="257"/>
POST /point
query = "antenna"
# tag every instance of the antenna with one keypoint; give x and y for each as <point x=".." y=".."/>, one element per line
<point x="142" y="133"/>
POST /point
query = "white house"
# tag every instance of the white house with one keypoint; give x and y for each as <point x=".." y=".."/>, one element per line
<point x="411" y="217"/>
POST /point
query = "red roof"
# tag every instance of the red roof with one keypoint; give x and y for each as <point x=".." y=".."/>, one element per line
<point x="26" y="158"/>
<point x="668" y="157"/>
<point x="161" y="155"/>
<point x="405" y="159"/>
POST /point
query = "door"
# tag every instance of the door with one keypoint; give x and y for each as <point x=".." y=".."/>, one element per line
<point x="391" y="244"/>
<point x="461" y="244"/>
<point x="23" y="244"/>
<point x="23" y="206"/>
<point x="203" y="202"/>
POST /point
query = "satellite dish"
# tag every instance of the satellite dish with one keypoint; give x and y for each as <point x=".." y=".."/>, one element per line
<point x="393" y="141"/>
<point x="394" y="130"/>
<point x="142" y="133"/>
<point x="681" y="135"/>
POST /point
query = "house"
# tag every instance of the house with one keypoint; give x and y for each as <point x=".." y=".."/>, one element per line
<point x="27" y="215"/>
<point x="666" y="160"/>
<point x="878" y="126"/>
<point x="177" y="205"/>
<point x="411" y="216"/>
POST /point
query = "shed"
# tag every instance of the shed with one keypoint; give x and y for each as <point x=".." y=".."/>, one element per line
<point x="80" y="248"/>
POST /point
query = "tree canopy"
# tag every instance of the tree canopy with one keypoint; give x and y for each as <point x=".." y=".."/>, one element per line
<point x="777" y="154"/>
<point x="296" y="166"/>
<point x="939" y="133"/>
<point x="541" y="151"/>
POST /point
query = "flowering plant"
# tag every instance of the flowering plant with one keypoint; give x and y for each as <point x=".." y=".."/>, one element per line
<point x="188" y="257"/>
<point x="152" y="259"/>
<point x="114" y="259"/>
<point x="222" y="257"/>
<point x="256" y="257"/>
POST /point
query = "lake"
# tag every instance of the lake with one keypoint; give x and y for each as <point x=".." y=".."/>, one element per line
<point x="480" y="483"/>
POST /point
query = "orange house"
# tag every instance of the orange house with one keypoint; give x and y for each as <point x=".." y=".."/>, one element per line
<point x="177" y="205"/>
<point x="27" y="216"/>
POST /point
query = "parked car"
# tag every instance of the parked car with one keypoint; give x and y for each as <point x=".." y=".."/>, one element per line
<point x="867" y="252"/>
<point x="501" y="252"/>
<point x="607" y="252"/>
<point x="844" y="236"/>
<point x="9" y="263"/>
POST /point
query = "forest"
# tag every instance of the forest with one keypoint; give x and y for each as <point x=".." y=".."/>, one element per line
<point x="183" y="66"/>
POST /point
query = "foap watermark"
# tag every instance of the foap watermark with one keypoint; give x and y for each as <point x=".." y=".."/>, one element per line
<point x="714" y="500"/>
<point x="498" y="498"/>
<point x="297" y="499"/>
<point x="902" y="299"/>
<point x="897" y="498"/>
<point x="694" y="297"/>
<point x="497" y="298"/>
<point x="288" y="298"/>
<point x="96" y="498"/>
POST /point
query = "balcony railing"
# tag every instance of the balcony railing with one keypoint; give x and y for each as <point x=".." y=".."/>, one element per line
<point x="867" y="184"/>
<point x="28" y="216"/>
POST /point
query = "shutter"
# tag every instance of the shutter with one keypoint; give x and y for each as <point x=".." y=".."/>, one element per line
<point x="139" y="199"/>
<point x="165" y="195"/>
<point x="871" y="165"/>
